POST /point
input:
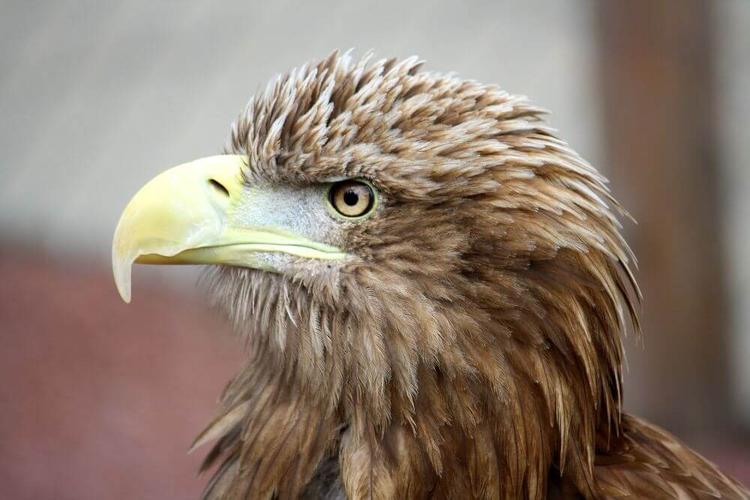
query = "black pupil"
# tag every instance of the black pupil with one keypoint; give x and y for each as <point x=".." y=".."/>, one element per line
<point x="351" y="198"/>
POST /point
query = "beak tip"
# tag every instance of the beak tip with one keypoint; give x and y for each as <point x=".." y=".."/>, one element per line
<point x="125" y="296"/>
<point x="123" y="289"/>
<point x="121" y="269"/>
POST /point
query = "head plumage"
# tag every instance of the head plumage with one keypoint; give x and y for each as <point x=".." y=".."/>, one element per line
<point x="493" y="284"/>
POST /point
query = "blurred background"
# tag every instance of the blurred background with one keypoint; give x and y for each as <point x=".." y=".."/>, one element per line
<point x="102" y="400"/>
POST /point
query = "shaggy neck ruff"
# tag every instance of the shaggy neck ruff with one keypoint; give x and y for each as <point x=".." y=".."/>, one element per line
<point x="451" y="376"/>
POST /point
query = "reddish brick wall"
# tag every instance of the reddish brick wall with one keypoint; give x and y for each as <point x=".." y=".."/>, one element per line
<point x="100" y="399"/>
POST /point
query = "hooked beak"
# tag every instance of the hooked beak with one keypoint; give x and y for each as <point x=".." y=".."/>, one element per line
<point x="185" y="216"/>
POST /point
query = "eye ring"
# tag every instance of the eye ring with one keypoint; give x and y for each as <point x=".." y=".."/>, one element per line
<point x="352" y="198"/>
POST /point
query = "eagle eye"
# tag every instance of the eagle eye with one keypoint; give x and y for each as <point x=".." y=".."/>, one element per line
<point x="351" y="198"/>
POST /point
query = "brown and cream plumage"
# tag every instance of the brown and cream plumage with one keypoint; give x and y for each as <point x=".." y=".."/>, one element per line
<point x="460" y="339"/>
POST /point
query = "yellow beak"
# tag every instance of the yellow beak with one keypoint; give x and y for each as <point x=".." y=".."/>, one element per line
<point x="185" y="216"/>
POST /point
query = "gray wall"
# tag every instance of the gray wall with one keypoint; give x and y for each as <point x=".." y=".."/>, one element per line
<point x="96" y="97"/>
<point x="733" y="62"/>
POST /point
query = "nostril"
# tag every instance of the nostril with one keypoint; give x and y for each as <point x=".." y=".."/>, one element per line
<point x="219" y="187"/>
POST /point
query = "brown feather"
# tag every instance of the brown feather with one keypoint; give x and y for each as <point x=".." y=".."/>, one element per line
<point x="472" y="347"/>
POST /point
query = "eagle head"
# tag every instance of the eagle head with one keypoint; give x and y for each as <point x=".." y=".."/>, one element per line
<point x="417" y="263"/>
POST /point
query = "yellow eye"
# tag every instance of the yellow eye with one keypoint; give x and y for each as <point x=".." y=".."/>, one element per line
<point x="351" y="198"/>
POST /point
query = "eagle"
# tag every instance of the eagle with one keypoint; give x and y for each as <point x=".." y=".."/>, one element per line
<point x="433" y="289"/>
